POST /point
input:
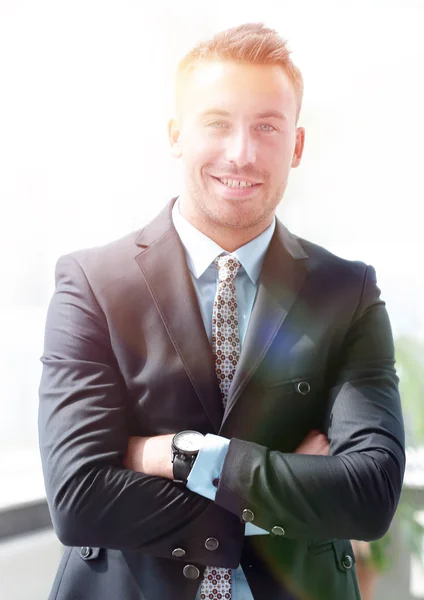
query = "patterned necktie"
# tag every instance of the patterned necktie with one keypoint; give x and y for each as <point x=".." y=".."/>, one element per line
<point x="216" y="584"/>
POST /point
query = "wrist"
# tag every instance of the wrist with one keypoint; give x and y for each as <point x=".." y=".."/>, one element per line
<point x="150" y="455"/>
<point x="185" y="448"/>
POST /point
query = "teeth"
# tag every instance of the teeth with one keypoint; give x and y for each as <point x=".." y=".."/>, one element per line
<point x="235" y="183"/>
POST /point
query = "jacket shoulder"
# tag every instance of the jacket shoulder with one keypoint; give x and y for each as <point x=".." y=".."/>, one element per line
<point x="103" y="264"/>
<point x="323" y="261"/>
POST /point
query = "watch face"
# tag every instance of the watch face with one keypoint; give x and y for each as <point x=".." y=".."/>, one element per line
<point x="189" y="441"/>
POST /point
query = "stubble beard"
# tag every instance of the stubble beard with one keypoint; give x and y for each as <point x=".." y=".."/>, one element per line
<point x="209" y="212"/>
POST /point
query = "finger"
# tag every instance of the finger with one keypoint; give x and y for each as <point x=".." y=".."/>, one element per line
<point x="324" y="448"/>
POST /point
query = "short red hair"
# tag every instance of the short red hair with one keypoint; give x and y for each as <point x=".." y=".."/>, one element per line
<point x="249" y="43"/>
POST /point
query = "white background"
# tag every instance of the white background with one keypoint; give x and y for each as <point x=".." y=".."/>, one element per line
<point x="85" y="95"/>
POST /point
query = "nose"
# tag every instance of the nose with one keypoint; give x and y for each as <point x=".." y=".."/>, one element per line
<point x="241" y="148"/>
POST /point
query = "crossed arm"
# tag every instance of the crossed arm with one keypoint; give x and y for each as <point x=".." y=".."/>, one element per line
<point x="152" y="455"/>
<point x="97" y="497"/>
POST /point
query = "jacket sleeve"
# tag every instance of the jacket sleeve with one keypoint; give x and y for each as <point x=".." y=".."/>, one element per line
<point x="353" y="493"/>
<point x="83" y="433"/>
<point x="208" y="467"/>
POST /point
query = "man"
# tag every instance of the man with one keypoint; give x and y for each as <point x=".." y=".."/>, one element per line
<point x="194" y="370"/>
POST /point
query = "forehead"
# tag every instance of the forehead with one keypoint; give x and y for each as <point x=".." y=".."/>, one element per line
<point x="238" y="87"/>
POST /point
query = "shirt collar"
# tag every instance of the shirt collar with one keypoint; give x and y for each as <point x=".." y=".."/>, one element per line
<point x="201" y="251"/>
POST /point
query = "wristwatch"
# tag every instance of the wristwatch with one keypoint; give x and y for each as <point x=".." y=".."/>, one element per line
<point x="185" y="448"/>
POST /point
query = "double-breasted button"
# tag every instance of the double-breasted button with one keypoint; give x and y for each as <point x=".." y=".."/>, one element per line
<point x="191" y="572"/>
<point x="247" y="515"/>
<point x="303" y="387"/>
<point x="277" y="530"/>
<point x="211" y="544"/>
<point x="347" y="562"/>
<point x="178" y="553"/>
<point x="86" y="552"/>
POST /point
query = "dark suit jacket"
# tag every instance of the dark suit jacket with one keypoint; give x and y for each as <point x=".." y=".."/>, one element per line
<point x="126" y="353"/>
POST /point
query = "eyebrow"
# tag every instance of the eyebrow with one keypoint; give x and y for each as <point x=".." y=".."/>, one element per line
<point x="263" y="115"/>
<point x="276" y="114"/>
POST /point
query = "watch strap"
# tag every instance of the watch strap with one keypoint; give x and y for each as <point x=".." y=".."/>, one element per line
<point x="182" y="466"/>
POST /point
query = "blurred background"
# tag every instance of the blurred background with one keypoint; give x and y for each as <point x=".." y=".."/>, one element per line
<point x="85" y="96"/>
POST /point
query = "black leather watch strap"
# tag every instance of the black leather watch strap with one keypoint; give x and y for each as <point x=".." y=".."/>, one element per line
<point x="182" y="466"/>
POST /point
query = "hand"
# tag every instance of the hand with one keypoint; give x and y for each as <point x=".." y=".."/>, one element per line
<point x="314" y="443"/>
<point x="150" y="455"/>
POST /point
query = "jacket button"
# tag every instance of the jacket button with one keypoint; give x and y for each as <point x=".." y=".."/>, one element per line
<point x="347" y="562"/>
<point x="191" y="572"/>
<point x="277" y="530"/>
<point x="86" y="552"/>
<point x="178" y="553"/>
<point x="247" y="515"/>
<point x="211" y="544"/>
<point x="303" y="387"/>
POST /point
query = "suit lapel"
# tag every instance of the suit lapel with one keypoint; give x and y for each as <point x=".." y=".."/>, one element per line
<point x="283" y="273"/>
<point x="163" y="265"/>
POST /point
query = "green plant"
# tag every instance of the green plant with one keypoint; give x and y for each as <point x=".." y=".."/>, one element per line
<point x="410" y="366"/>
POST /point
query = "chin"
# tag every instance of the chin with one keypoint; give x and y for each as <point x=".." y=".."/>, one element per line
<point x="234" y="217"/>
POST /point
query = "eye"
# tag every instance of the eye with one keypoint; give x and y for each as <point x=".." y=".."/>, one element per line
<point x="266" y="127"/>
<point x="218" y="124"/>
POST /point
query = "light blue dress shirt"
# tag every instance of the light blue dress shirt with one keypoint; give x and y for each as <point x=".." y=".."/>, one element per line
<point x="201" y="251"/>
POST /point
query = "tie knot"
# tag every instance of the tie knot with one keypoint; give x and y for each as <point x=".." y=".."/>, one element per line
<point x="228" y="266"/>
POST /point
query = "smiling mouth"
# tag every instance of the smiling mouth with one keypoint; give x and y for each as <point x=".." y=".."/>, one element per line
<point x="236" y="183"/>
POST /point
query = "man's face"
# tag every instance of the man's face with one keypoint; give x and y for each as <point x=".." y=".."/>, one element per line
<point x="237" y="137"/>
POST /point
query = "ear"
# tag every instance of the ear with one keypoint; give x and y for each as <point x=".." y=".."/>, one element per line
<point x="298" y="149"/>
<point x="174" y="136"/>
